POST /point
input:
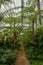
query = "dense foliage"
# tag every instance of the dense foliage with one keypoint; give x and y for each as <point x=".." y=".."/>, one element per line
<point x="35" y="51"/>
<point x="7" y="56"/>
<point x="21" y="24"/>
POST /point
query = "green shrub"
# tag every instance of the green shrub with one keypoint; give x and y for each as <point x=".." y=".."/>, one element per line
<point x="12" y="57"/>
<point x="35" y="52"/>
<point x="7" y="56"/>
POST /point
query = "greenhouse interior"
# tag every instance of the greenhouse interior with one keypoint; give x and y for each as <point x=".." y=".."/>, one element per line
<point x="21" y="32"/>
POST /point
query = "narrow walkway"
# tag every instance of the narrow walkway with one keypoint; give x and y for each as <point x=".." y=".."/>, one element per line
<point x="21" y="58"/>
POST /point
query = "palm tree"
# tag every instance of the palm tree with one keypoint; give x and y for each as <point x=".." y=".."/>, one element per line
<point x="11" y="20"/>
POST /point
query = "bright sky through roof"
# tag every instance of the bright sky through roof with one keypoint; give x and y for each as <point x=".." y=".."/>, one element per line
<point x="15" y="3"/>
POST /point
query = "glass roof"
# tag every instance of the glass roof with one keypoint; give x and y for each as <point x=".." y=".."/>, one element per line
<point x="15" y="3"/>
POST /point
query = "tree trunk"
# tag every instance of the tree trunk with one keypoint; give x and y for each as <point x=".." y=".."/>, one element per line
<point x="0" y="5"/>
<point x="13" y="41"/>
<point x="38" y="6"/>
<point x="15" y="34"/>
<point x="33" y="36"/>
<point x="2" y="41"/>
<point x="36" y="23"/>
